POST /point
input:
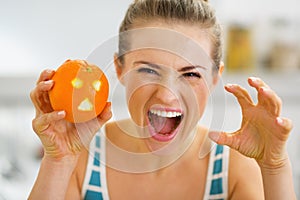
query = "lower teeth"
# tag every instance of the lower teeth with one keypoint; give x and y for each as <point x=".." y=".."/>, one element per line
<point x="164" y="134"/>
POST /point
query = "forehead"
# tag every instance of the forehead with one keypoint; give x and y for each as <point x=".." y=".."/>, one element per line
<point x="184" y="43"/>
<point x="160" y="58"/>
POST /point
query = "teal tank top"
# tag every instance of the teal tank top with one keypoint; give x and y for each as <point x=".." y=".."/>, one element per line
<point x="95" y="186"/>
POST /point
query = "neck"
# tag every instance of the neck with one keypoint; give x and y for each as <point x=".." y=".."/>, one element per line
<point x="130" y="153"/>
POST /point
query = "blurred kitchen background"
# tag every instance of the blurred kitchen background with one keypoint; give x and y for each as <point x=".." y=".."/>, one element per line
<point x="262" y="39"/>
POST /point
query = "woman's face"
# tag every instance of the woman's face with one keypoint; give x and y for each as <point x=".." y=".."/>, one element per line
<point x="168" y="76"/>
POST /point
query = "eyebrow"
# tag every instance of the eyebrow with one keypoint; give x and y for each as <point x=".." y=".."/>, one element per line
<point x="183" y="69"/>
<point x="156" y="66"/>
<point x="188" y="68"/>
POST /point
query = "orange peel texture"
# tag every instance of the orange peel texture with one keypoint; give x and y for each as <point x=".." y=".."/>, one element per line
<point x="81" y="89"/>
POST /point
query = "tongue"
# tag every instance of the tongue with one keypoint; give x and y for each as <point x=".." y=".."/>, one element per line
<point x="164" y="125"/>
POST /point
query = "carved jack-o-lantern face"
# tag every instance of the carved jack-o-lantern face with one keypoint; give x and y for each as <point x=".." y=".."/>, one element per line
<point x="81" y="89"/>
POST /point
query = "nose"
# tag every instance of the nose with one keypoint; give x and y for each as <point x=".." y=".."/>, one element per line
<point x="166" y="95"/>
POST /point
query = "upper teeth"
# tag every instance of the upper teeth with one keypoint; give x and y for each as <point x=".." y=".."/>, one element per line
<point x="165" y="113"/>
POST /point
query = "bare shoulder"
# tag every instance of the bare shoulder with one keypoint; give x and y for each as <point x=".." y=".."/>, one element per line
<point x="245" y="181"/>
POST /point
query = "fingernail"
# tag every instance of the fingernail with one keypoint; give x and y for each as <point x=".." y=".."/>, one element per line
<point x="254" y="79"/>
<point x="279" y="121"/>
<point x="61" y="113"/>
<point x="48" y="82"/>
<point x="49" y="71"/>
<point x="229" y="85"/>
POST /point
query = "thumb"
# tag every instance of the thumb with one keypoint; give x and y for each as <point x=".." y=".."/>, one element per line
<point x="224" y="138"/>
<point x="42" y="123"/>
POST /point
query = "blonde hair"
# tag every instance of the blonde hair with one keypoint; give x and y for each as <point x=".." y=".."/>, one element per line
<point x="197" y="12"/>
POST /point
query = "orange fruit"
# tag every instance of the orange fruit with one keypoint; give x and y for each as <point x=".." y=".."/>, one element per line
<point x="81" y="89"/>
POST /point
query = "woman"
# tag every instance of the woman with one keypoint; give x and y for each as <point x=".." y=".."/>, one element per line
<point x="168" y="61"/>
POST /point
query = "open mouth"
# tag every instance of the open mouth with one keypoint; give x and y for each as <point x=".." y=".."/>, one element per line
<point x="163" y="124"/>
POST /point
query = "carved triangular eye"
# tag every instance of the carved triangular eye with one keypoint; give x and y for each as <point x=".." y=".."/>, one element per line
<point x="85" y="105"/>
<point x="77" y="83"/>
<point x="97" y="85"/>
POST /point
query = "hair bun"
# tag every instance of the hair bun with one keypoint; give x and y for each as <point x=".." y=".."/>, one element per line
<point x="135" y="1"/>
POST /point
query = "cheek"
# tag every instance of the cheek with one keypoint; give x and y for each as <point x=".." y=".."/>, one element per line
<point x="198" y="100"/>
<point x="137" y="99"/>
<point x="202" y="102"/>
<point x="202" y="96"/>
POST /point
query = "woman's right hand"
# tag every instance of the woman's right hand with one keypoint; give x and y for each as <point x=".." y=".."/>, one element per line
<point x="61" y="139"/>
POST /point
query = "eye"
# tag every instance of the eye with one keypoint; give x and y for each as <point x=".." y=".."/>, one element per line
<point x="192" y="75"/>
<point x="147" y="71"/>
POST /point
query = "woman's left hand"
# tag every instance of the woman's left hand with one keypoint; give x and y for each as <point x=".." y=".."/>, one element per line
<point x="263" y="133"/>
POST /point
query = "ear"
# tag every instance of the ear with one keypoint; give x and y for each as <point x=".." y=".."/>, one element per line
<point x="220" y="72"/>
<point x="221" y="68"/>
<point x="119" y="67"/>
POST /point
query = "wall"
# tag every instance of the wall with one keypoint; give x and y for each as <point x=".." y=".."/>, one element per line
<point x="41" y="34"/>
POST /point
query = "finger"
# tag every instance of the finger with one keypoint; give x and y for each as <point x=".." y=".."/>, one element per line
<point x="260" y="86"/>
<point x="241" y="94"/>
<point x="105" y="115"/>
<point x="285" y="125"/>
<point x="224" y="138"/>
<point x="39" y="96"/>
<point x="45" y="75"/>
<point x="271" y="100"/>
<point x="266" y="96"/>
<point x="88" y="129"/>
<point x="257" y="83"/>
<point x="42" y="123"/>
